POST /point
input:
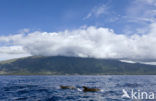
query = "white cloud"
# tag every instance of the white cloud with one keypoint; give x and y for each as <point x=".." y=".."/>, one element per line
<point x="127" y="61"/>
<point x="5" y="56"/>
<point x="97" y="11"/>
<point x="151" y="2"/>
<point x="139" y="15"/>
<point x="12" y="50"/>
<point x="83" y="42"/>
<point x="25" y="30"/>
<point x="142" y="10"/>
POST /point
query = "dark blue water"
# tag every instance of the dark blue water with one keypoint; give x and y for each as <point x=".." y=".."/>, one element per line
<point x="46" y="88"/>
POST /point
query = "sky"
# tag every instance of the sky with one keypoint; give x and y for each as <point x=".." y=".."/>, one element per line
<point x="83" y="28"/>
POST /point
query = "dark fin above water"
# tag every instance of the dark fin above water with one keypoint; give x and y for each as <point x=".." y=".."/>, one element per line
<point x="87" y="89"/>
<point x="67" y="87"/>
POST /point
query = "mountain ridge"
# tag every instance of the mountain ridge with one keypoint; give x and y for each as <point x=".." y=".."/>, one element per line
<point x="62" y="65"/>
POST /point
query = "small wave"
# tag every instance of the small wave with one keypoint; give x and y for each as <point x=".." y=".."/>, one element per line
<point x="131" y="85"/>
<point x="79" y="89"/>
<point x="20" y="98"/>
<point x="102" y="90"/>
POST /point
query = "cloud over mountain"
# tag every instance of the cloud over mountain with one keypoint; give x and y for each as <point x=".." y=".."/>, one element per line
<point x="84" y="42"/>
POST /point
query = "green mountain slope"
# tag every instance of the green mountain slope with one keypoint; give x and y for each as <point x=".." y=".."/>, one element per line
<point x="60" y="65"/>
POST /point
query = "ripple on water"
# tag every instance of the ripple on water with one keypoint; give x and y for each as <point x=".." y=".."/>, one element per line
<point x="45" y="88"/>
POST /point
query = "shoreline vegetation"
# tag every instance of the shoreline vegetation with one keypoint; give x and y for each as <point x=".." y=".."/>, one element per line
<point x="61" y="65"/>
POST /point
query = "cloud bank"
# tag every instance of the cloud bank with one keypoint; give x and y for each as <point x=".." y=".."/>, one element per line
<point x="84" y="42"/>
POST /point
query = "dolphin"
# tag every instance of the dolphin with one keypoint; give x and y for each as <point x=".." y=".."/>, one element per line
<point x="67" y="87"/>
<point x="87" y="89"/>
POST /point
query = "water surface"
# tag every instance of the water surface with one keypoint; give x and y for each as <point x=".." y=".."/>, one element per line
<point x="46" y="88"/>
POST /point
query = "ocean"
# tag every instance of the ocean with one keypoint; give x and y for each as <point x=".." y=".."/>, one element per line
<point x="46" y="88"/>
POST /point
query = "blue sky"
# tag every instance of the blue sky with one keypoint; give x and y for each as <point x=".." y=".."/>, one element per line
<point x="58" y="15"/>
<point x="84" y="28"/>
